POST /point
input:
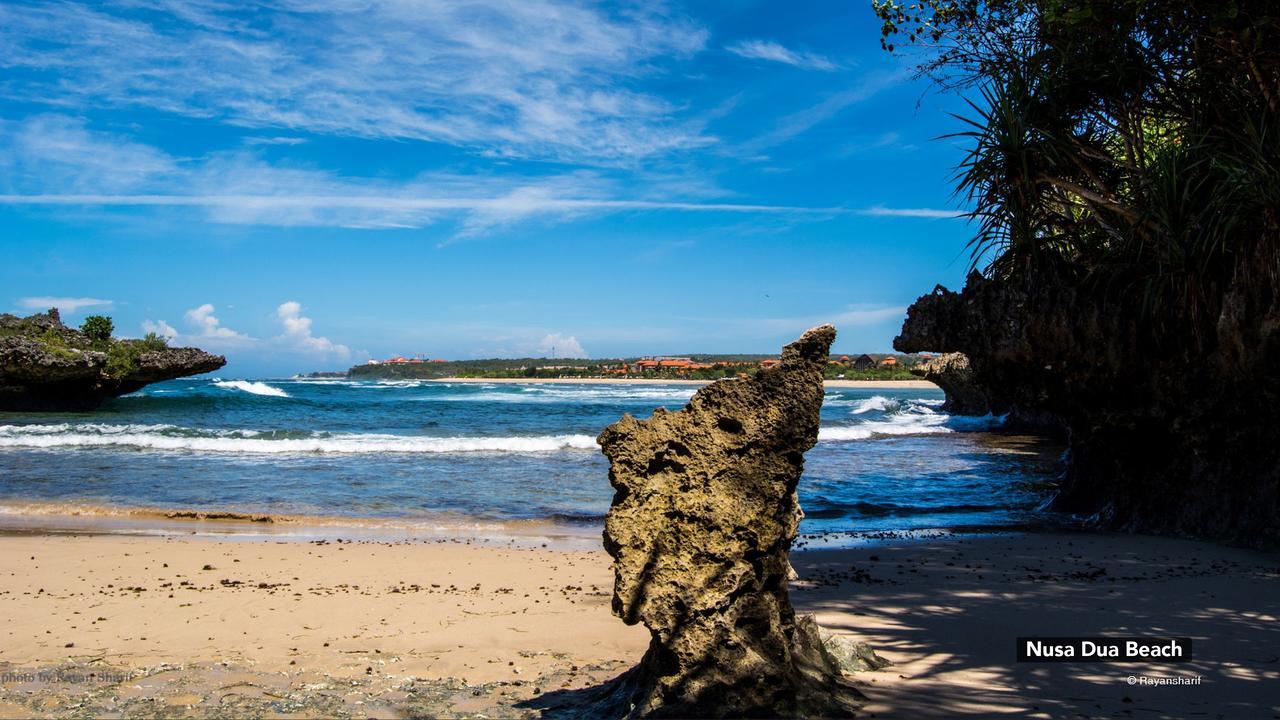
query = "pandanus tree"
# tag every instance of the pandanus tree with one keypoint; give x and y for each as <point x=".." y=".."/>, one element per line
<point x="1129" y="146"/>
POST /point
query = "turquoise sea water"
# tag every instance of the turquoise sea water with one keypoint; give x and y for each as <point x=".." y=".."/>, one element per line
<point x="885" y="460"/>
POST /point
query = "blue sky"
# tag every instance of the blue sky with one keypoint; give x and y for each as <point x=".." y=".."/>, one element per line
<point x="307" y="184"/>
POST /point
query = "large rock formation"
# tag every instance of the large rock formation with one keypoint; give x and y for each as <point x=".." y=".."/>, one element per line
<point x="45" y="365"/>
<point x="951" y="372"/>
<point x="700" y="529"/>
<point x="1165" y="434"/>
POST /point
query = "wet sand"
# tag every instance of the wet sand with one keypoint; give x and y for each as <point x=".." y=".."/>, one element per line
<point x="200" y="627"/>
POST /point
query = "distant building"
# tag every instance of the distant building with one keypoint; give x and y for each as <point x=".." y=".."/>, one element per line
<point x="677" y="364"/>
<point x="862" y="362"/>
<point x="889" y="362"/>
<point x="769" y="362"/>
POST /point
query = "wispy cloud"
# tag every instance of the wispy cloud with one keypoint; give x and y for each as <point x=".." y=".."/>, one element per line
<point x="537" y="78"/>
<point x="60" y="151"/>
<point x="523" y="202"/>
<point x="911" y="212"/>
<point x="64" y="304"/>
<point x="799" y="122"/>
<point x="239" y="187"/>
<point x="281" y="140"/>
<point x="774" y="52"/>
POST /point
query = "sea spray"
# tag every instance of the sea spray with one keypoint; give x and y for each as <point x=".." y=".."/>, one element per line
<point x="253" y="388"/>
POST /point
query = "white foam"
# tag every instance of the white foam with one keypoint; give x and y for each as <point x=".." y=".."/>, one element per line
<point x="255" y="388"/>
<point x="915" y="421"/>
<point x="586" y="395"/>
<point x="168" y="437"/>
<point x="875" y="402"/>
<point x="903" y="424"/>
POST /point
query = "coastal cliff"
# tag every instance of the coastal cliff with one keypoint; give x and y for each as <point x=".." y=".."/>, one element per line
<point x="1163" y="437"/>
<point x="45" y="365"/>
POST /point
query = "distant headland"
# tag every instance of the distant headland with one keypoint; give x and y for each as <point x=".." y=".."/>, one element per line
<point x="700" y="367"/>
<point x="45" y="365"/>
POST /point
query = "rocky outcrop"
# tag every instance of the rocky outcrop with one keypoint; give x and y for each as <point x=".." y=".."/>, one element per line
<point x="45" y="365"/>
<point x="700" y="529"/>
<point x="952" y="373"/>
<point x="1172" y="434"/>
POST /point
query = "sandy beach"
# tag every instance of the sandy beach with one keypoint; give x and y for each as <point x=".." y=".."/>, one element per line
<point x="181" y="626"/>
<point x="866" y="384"/>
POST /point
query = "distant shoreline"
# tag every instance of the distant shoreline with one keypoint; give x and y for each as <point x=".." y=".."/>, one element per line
<point x="865" y="384"/>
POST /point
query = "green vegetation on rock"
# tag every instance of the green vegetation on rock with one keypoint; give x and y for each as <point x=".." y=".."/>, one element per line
<point x="45" y="365"/>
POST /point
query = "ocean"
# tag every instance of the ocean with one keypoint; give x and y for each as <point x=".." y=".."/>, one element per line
<point x="460" y="453"/>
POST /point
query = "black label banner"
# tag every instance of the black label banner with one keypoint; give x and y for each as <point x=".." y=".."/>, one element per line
<point x="1104" y="649"/>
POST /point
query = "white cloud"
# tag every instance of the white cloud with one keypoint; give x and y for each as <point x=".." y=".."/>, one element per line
<point x="801" y="121"/>
<point x="297" y="333"/>
<point x="537" y="78"/>
<point x="912" y="212"/>
<point x="159" y="327"/>
<point x="241" y="188"/>
<point x="773" y="52"/>
<point x="274" y="141"/>
<point x="64" y="304"/>
<point x="207" y="325"/>
<point x="556" y="345"/>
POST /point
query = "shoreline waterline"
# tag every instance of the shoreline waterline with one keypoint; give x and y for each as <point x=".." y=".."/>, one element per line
<point x="457" y="458"/>
<point x="853" y="384"/>
<point x="560" y="534"/>
<point x="77" y="518"/>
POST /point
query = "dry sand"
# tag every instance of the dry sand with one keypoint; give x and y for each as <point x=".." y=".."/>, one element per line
<point x="867" y="384"/>
<point x="206" y="627"/>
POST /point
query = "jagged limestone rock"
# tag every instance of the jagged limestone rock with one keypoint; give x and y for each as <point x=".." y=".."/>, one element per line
<point x="1173" y="431"/>
<point x="45" y="365"/>
<point x="952" y="372"/>
<point x="700" y="530"/>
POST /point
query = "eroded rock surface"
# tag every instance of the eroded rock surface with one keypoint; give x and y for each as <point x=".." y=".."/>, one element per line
<point x="1167" y="432"/>
<point x="45" y="365"/>
<point x="700" y="530"/>
<point x="952" y="372"/>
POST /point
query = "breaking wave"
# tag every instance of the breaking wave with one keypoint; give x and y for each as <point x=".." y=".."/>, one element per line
<point x="875" y="402"/>
<point x="253" y="388"/>
<point x="904" y="417"/>
<point x="174" y="438"/>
